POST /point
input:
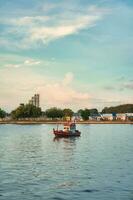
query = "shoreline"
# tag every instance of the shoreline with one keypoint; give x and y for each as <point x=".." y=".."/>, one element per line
<point x="62" y="122"/>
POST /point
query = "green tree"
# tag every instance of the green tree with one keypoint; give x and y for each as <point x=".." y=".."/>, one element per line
<point x="68" y="112"/>
<point x="93" y="111"/>
<point x="79" y="111"/>
<point x="2" y="113"/>
<point x="54" y="113"/>
<point x="85" y="114"/>
<point x="26" y="111"/>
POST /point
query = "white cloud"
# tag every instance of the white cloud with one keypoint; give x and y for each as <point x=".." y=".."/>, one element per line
<point x="52" y="92"/>
<point x="35" y="30"/>
<point x="65" y="28"/>
<point x="29" y="62"/>
<point x="25" y="21"/>
<point x="17" y="86"/>
<point x="68" y="78"/>
<point x="13" y="65"/>
<point x="59" y="95"/>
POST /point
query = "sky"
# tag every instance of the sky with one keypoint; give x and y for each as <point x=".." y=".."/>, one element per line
<point x="74" y="53"/>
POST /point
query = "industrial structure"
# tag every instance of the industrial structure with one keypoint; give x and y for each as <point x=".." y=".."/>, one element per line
<point x="35" y="100"/>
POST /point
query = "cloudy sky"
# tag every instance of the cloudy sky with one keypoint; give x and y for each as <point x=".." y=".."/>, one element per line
<point x="74" y="53"/>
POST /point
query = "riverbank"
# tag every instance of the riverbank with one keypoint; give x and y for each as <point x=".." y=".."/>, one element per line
<point x="62" y="122"/>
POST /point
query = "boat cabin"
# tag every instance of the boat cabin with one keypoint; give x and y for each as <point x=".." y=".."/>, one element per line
<point x="70" y="127"/>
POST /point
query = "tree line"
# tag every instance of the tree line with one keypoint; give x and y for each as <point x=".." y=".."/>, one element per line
<point x="31" y="111"/>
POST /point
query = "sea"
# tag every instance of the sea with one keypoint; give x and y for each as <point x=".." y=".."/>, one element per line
<point x="98" y="165"/>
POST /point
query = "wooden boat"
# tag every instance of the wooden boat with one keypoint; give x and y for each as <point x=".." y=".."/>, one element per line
<point x="68" y="131"/>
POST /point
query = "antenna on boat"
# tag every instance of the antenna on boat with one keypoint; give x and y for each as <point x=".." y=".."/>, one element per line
<point x="57" y="126"/>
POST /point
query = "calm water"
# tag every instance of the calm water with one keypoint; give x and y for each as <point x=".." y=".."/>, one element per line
<point x="98" y="165"/>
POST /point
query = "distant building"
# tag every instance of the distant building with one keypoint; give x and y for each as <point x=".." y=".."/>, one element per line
<point x="35" y="100"/>
<point x="121" y="116"/>
<point x="95" y="117"/>
<point x="107" y="117"/>
<point x="129" y="116"/>
<point x="76" y="117"/>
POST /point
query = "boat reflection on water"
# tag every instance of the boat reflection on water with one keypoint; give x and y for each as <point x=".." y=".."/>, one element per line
<point x="65" y="139"/>
<point x="67" y="148"/>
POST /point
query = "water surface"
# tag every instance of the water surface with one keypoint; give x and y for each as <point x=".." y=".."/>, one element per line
<point x="97" y="165"/>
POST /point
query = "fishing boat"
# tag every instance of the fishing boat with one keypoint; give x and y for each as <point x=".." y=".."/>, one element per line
<point x="68" y="131"/>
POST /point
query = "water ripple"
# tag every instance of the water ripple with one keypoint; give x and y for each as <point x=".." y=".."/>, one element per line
<point x="34" y="165"/>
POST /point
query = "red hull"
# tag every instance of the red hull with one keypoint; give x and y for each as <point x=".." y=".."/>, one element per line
<point x="60" y="133"/>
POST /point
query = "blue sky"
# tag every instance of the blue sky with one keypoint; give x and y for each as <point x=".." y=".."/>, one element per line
<point x="74" y="53"/>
